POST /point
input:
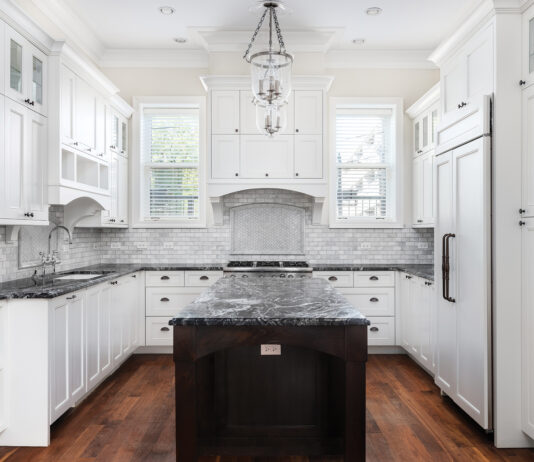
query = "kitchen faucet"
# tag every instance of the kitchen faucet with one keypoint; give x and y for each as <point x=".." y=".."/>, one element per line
<point x="52" y="258"/>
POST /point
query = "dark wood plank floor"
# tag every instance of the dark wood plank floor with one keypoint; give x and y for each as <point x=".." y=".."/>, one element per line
<point x="130" y="417"/>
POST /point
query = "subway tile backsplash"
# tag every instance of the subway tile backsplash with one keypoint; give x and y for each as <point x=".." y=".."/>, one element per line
<point x="213" y="244"/>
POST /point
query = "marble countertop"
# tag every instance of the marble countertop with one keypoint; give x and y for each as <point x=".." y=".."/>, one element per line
<point x="270" y="302"/>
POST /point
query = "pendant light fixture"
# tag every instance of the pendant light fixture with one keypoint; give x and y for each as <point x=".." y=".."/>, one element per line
<point x="270" y="71"/>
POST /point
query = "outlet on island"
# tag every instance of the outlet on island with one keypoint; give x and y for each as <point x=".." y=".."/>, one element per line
<point x="271" y="350"/>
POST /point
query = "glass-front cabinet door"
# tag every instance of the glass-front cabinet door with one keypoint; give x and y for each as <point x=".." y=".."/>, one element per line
<point x="14" y="78"/>
<point x="36" y="80"/>
<point x="124" y="138"/>
<point x="528" y="47"/>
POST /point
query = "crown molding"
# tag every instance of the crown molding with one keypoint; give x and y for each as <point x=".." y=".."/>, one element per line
<point x="158" y="58"/>
<point x="301" y="82"/>
<point x="429" y="98"/>
<point x="122" y="106"/>
<point x="378" y="59"/>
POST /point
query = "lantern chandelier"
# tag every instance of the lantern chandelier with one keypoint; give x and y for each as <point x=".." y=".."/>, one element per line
<point x="271" y="75"/>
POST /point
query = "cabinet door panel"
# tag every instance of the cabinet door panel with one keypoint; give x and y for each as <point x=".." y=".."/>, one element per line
<point x="247" y="114"/>
<point x="308" y="112"/>
<point x="479" y="65"/>
<point x="122" y="190"/>
<point x="263" y="157"/>
<point x="116" y="326"/>
<point x="85" y="113"/>
<point x="427" y="189"/>
<point x="308" y="156"/>
<point x="35" y="165"/>
<point x="16" y="51"/>
<point x="381" y="331"/>
<point x="528" y="46"/>
<point x="59" y="380"/>
<point x="528" y="152"/>
<point x="417" y="190"/>
<point x="224" y="112"/>
<point x="93" y="311"/>
<point x="225" y="156"/>
<point x="76" y="336"/>
<point x="36" y="76"/>
<point x="105" y="329"/>
<point x="67" y="95"/>
<point x="453" y="86"/>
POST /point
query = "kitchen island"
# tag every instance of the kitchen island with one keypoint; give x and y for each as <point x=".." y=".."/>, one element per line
<point x="268" y="367"/>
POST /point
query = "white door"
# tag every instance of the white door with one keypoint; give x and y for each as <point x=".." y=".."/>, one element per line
<point x="76" y="346"/>
<point x="129" y="300"/>
<point x="16" y="67"/>
<point x="528" y="46"/>
<point x="470" y="271"/>
<point x="424" y="322"/>
<point x="36" y="76"/>
<point x="308" y="156"/>
<point x="427" y="188"/>
<point x="417" y="129"/>
<point x="67" y="102"/>
<point x="113" y="214"/>
<point x="35" y="166"/>
<point x="263" y="157"/>
<point x="116" y="323"/>
<point x="93" y="312"/>
<point x="85" y="116"/>
<point x="308" y="112"/>
<point x="224" y="112"/>
<point x="100" y="129"/>
<point x="225" y="156"/>
<point x="406" y="309"/>
<point x="528" y="152"/>
<point x="113" y="130"/>
<point x="445" y="313"/>
<point x="12" y="162"/>
<point x="123" y="137"/>
<point x="122" y="187"/>
<point x="247" y="114"/>
<point x="527" y="328"/>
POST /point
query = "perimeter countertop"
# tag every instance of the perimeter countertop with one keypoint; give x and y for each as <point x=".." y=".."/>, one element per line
<point x="420" y="270"/>
<point x="270" y="302"/>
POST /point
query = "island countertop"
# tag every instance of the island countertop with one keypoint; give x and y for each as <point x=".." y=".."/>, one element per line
<point x="270" y="302"/>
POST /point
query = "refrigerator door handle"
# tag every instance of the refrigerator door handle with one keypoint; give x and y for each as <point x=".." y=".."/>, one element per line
<point x="447" y="253"/>
<point x="444" y="268"/>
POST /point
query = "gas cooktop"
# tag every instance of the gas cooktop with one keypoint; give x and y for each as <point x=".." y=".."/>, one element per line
<point x="258" y="266"/>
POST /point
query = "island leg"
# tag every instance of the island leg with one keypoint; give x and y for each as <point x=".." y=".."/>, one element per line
<point x="186" y="411"/>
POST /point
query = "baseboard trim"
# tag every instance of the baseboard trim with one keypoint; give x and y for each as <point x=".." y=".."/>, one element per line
<point x="149" y="350"/>
<point x="386" y="350"/>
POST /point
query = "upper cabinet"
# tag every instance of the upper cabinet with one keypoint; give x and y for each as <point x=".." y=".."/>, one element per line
<point x="527" y="77"/>
<point x="25" y="72"/>
<point x="468" y="75"/>
<point x="224" y="112"/>
<point x="424" y="130"/>
<point x="308" y="112"/>
<point x="117" y="130"/>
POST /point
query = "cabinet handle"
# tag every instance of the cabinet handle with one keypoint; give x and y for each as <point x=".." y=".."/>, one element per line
<point x="522" y="82"/>
<point x="428" y="283"/>
<point x="122" y="221"/>
<point x="75" y="143"/>
<point x="134" y="275"/>
<point x="165" y="278"/>
<point x="521" y="223"/>
<point x="373" y="278"/>
<point x="27" y="100"/>
<point x="164" y="329"/>
<point x="122" y="151"/>
<point x="164" y="299"/>
<point x="204" y="278"/>
<point x="522" y="211"/>
<point x="373" y="299"/>
<point x="419" y="221"/>
<point x="32" y="103"/>
<point x="332" y="278"/>
<point x="445" y="266"/>
<point x="374" y="329"/>
<point x="72" y="297"/>
<point x="408" y="277"/>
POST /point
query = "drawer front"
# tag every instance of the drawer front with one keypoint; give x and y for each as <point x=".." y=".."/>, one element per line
<point x="167" y="301"/>
<point x="374" y="279"/>
<point x="381" y="331"/>
<point x="336" y="278"/>
<point x="158" y="331"/>
<point x="164" y="279"/>
<point x="373" y="301"/>
<point x="201" y="278"/>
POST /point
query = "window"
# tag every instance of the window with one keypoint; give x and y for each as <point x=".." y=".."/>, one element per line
<point x="364" y="165"/>
<point x="170" y="159"/>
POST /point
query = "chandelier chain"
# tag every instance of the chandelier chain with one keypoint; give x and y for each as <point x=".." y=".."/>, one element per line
<point x="255" y="34"/>
<point x="279" y="32"/>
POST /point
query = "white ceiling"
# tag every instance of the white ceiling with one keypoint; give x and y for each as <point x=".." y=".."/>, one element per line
<point x="404" y="24"/>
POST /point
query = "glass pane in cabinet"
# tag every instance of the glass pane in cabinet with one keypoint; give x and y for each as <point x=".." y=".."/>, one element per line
<point x="114" y="132"/>
<point x="37" y="80"/>
<point x="15" y="66"/>
<point x="425" y="131"/>
<point x="416" y="136"/>
<point x="531" y="46"/>
<point x="434" y="125"/>
<point x="124" y="145"/>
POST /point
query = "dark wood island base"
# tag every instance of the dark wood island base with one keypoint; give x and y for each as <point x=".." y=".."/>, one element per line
<point x="231" y="400"/>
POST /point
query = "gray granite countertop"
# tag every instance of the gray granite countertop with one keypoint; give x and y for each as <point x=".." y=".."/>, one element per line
<point x="270" y="302"/>
<point x="421" y="270"/>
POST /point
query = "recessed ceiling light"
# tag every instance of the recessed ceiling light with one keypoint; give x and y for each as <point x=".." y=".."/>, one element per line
<point x="180" y="40"/>
<point x="373" y="11"/>
<point x="166" y="10"/>
<point x="359" y="41"/>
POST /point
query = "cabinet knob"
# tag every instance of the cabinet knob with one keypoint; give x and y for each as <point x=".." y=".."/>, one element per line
<point x="122" y="221"/>
<point x="266" y="174"/>
<point x="134" y="275"/>
<point x="27" y="100"/>
<point x="204" y="278"/>
<point x="237" y="174"/>
<point x="522" y="211"/>
<point x="332" y="278"/>
<point x="164" y="329"/>
<point x="164" y="299"/>
<point x="164" y="278"/>
<point x="374" y="329"/>
<point x="419" y="221"/>
<point x="373" y="299"/>
<point x="522" y="223"/>
<point x="522" y="82"/>
<point x="296" y="130"/>
<point x="373" y="278"/>
<point x="408" y="277"/>
<point x="296" y="174"/>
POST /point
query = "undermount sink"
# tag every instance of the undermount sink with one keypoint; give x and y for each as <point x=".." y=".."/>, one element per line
<point x="78" y="276"/>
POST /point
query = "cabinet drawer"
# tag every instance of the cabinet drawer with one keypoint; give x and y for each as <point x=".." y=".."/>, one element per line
<point x="164" y="278"/>
<point x="158" y="331"/>
<point x="374" y="279"/>
<point x="381" y="331"/>
<point x="373" y="301"/>
<point x="336" y="278"/>
<point x="167" y="301"/>
<point x="201" y="278"/>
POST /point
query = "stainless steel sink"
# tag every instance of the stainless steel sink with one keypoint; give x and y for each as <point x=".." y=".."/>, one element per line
<point x="78" y="276"/>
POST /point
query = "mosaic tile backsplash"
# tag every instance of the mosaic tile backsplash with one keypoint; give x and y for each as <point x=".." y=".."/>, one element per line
<point x="214" y="245"/>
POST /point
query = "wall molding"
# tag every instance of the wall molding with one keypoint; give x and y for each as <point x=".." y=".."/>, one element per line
<point x="429" y="98"/>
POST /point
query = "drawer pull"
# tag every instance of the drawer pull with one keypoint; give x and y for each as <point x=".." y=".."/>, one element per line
<point x="374" y="329"/>
<point x="332" y="278"/>
<point x="165" y="278"/>
<point x="164" y="299"/>
<point x="373" y="278"/>
<point x="204" y="278"/>
<point x="373" y="299"/>
<point x="72" y="297"/>
<point x="164" y="329"/>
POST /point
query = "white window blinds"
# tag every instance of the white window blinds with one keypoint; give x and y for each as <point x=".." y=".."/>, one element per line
<point x="364" y="161"/>
<point x="170" y="155"/>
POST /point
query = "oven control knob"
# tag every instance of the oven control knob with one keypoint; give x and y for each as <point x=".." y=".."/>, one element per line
<point x="282" y="275"/>
<point x="245" y="276"/>
<point x="302" y="276"/>
<point x="290" y="276"/>
<point x="232" y="275"/>
<point x="273" y="276"/>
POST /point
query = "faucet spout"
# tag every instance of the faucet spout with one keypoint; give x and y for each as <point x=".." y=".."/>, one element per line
<point x="55" y="228"/>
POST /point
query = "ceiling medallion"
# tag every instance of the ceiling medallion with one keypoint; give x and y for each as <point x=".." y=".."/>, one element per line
<point x="271" y="74"/>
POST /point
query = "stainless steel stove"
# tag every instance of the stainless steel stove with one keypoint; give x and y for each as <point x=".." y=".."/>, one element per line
<point x="271" y="269"/>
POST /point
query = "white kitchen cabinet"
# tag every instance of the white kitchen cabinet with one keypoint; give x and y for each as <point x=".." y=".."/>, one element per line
<point x="168" y="301"/>
<point x="406" y="313"/>
<point x="381" y="331"/>
<point x="336" y="278"/>
<point x="263" y="157"/>
<point x="67" y="369"/>
<point x="374" y="278"/>
<point x="372" y="301"/>
<point x="23" y="156"/>
<point x="25" y="72"/>
<point x="158" y="331"/>
<point x="424" y="130"/>
<point x="67" y="96"/>
<point x="225" y="156"/>
<point x="225" y="112"/>
<point x="308" y="156"/>
<point x="528" y="47"/>
<point x="528" y="152"/>
<point x="527" y="327"/>
<point x="248" y="110"/>
<point x="3" y="367"/>
<point x="165" y="278"/>
<point x="117" y="132"/>
<point x="202" y="278"/>
<point x="423" y="190"/>
<point x="308" y="112"/>
<point x="468" y="75"/>
<point x="122" y="191"/>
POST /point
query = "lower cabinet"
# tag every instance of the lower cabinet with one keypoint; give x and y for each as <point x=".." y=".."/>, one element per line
<point x="3" y="364"/>
<point x="91" y="333"/>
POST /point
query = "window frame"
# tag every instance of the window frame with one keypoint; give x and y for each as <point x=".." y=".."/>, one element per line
<point x="138" y="189"/>
<point x="396" y="170"/>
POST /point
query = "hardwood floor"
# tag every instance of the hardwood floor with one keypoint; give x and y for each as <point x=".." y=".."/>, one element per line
<point x="130" y="417"/>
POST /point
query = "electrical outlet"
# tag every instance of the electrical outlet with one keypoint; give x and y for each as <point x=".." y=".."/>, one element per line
<point x="271" y="350"/>
<point x="422" y="245"/>
<point x="142" y="245"/>
<point x="96" y="246"/>
<point x="115" y="245"/>
<point x="365" y="245"/>
<point x="168" y="245"/>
